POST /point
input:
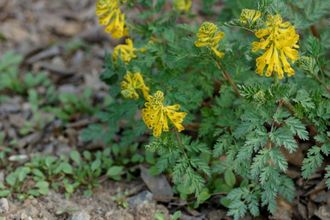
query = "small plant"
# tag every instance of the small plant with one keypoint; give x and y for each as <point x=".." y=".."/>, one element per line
<point x="71" y="105"/>
<point x="223" y="101"/>
<point x="11" y="80"/>
<point x="78" y="170"/>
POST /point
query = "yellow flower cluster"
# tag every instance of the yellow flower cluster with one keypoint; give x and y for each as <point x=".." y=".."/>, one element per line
<point x="111" y="16"/>
<point x="131" y="83"/>
<point x="249" y="16"/>
<point x="209" y="36"/>
<point x="126" y="52"/>
<point x="182" y="5"/>
<point x="155" y="114"/>
<point x="279" y="41"/>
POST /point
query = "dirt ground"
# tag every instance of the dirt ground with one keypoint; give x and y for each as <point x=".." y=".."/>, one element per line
<point x="99" y="206"/>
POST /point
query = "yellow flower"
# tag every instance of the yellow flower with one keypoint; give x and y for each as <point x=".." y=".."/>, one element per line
<point x="126" y="52"/>
<point x="279" y="41"/>
<point x="249" y="16"/>
<point x="111" y="16"/>
<point x="131" y="83"/>
<point x="155" y="115"/>
<point x="209" y="36"/>
<point x="182" y="5"/>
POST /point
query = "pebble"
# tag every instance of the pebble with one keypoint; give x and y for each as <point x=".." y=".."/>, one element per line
<point x="142" y="197"/>
<point x="82" y="215"/>
<point x="24" y="216"/>
<point x="4" y="206"/>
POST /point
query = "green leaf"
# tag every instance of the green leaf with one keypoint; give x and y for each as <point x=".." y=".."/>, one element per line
<point x="114" y="172"/>
<point x="298" y="128"/>
<point x="94" y="132"/>
<point x="201" y="165"/>
<point x="327" y="176"/>
<point x="278" y="159"/>
<point x="11" y="179"/>
<point x="4" y="193"/>
<point x="49" y="160"/>
<point x="96" y="165"/>
<point x="38" y="173"/>
<point x="66" y="168"/>
<point x="313" y="160"/>
<point x="230" y="177"/>
<point x="203" y="196"/>
<point x="305" y="100"/>
<point x="237" y="209"/>
<point x="43" y="187"/>
<point x="75" y="156"/>
<point x="22" y="173"/>
<point x="284" y="137"/>
<point x="176" y="215"/>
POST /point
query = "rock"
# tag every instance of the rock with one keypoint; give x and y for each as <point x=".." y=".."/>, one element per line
<point x="82" y="215"/>
<point x="216" y="214"/>
<point x="68" y="88"/>
<point x="17" y="120"/>
<point x="302" y="209"/>
<point x="4" y="206"/>
<point x="284" y="210"/>
<point x="14" y="30"/>
<point x="24" y="216"/>
<point x="323" y="212"/>
<point x="321" y="197"/>
<point x="158" y="185"/>
<point x="311" y="208"/>
<point x="142" y="197"/>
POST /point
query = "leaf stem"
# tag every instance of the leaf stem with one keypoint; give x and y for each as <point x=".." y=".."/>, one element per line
<point x="322" y="83"/>
<point x="227" y="77"/>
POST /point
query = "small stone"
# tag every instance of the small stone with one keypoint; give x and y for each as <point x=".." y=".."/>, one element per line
<point x="4" y="206"/>
<point x="82" y="215"/>
<point x="216" y="214"/>
<point x="142" y="197"/>
<point x="24" y="216"/>
<point x="323" y="212"/>
<point x="158" y="185"/>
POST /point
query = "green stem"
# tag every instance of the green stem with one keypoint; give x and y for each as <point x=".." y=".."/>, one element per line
<point x="227" y="77"/>
<point x="322" y="83"/>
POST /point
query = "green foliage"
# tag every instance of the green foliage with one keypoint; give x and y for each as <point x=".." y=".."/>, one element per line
<point x="71" y="104"/>
<point x="68" y="173"/>
<point x="239" y="125"/>
<point x="233" y="145"/>
<point x="12" y="81"/>
<point x="302" y="13"/>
